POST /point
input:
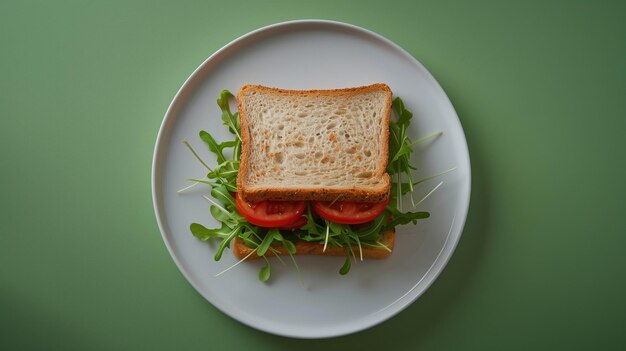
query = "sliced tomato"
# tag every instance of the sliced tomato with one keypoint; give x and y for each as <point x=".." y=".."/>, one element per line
<point x="295" y="225"/>
<point x="348" y="212"/>
<point x="271" y="214"/>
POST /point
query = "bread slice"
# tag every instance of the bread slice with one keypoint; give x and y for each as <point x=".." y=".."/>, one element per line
<point x="314" y="144"/>
<point x="307" y="248"/>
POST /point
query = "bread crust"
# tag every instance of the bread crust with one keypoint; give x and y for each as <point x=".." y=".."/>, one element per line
<point x="358" y="194"/>
<point x="315" y="194"/>
<point x="240" y="250"/>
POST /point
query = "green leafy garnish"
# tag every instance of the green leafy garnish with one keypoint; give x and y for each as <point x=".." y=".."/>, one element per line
<point x="401" y="147"/>
<point x="346" y="266"/>
<point x="264" y="273"/>
<point x="266" y="242"/>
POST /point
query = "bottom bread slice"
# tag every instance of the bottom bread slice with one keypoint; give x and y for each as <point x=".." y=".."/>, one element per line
<point x="240" y="250"/>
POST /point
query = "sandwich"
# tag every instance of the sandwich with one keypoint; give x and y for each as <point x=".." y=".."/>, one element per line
<point x="310" y="173"/>
<point x="329" y="147"/>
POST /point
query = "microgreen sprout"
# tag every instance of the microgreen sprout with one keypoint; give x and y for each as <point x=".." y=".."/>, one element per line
<point x="326" y="238"/>
<point x="429" y="193"/>
<point x="189" y="186"/>
<point x="236" y="264"/>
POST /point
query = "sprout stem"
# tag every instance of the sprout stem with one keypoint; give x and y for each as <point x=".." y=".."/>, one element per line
<point x="196" y="155"/>
<point x="427" y="195"/>
<point x="326" y="240"/>
<point x="238" y="262"/>
<point x="429" y="136"/>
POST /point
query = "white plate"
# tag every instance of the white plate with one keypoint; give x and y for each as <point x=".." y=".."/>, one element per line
<point x="311" y="54"/>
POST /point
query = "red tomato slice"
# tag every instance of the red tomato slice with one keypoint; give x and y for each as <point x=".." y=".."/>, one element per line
<point x="271" y="214"/>
<point x="295" y="225"/>
<point x="348" y="212"/>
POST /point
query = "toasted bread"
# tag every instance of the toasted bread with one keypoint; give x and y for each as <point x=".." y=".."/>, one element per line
<point x="240" y="250"/>
<point x="320" y="145"/>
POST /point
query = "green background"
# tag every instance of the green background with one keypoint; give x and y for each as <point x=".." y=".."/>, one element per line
<point x="539" y="87"/>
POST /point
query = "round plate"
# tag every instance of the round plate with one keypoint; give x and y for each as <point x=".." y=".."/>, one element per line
<point x="311" y="54"/>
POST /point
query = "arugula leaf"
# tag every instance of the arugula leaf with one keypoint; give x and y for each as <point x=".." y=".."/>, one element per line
<point x="221" y="194"/>
<point x="226" y="242"/>
<point x="264" y="273"/>
<point x="222" y="217"/>
<point x="399" y="218"/>
<point x="354" y="237"/>
<point x="336" y="228"/>
<point x="203" y="233"/>
<point x="406" y="187"/>
<point x="402" y="187"/>
<point x="222" y="101"/>
<point x="229" y="119"/>
<point x="217" y="149"/>
<point x="311" y="225"/>
<point x="346" y="266"/>
<point x="404" y="115"/>
<point x="267" y="241"/>
<point x="291" y="248"/>
<point x="405" y="149"/>
<point x="225" y="173"/>
<point x="374" y="230"/>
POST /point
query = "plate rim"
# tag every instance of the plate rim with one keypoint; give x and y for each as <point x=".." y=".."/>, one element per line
<point x="157" y="199"/>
